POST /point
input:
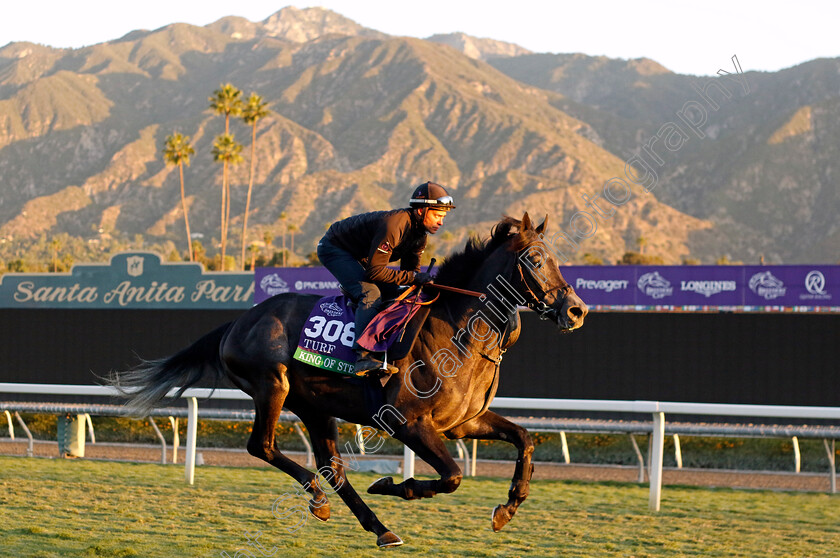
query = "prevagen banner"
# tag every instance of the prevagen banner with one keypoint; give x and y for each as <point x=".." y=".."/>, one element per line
<point x="130" y="280"/>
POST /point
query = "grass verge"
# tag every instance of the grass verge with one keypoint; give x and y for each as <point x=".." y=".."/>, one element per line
<point x="61" y="508"/>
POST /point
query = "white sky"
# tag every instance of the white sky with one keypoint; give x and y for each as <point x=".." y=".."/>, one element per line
<point x="686" y="37"/>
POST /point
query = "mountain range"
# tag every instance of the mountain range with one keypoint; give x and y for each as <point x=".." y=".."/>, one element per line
<point x="743" y="161"/>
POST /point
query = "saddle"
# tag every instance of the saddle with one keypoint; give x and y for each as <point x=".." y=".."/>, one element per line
<point x="388" y="331"/>
<point x="327" y="339"/>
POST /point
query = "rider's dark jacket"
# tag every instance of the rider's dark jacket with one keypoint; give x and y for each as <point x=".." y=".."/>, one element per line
<point x="380" y="237"/>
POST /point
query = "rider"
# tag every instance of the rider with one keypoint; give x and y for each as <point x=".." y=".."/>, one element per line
<point x="358" y="249"/>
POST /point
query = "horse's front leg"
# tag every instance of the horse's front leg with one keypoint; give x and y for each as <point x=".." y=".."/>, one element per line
<point x="490" y="426"/>
<point x="427" y="444"/>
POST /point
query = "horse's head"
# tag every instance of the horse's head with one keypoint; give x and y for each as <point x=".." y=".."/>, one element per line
<point x="538" y="280"/>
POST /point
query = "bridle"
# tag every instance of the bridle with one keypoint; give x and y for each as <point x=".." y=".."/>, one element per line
<point x="537" y="303"/>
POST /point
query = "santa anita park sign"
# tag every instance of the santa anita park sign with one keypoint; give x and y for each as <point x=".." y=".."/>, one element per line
<point x="137" y="280"/>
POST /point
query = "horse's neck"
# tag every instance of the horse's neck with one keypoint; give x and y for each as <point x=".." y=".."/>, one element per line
<point x="497" y="311"/>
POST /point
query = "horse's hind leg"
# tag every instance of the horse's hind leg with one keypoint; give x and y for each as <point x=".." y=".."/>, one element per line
<point x="268" y="402"/>
<point x="490" y="426"/>
<point x="324" y="435"/>
<point x="427" y="444"/>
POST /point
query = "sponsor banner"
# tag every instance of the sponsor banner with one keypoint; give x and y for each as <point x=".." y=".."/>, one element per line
<point x="699" y="285"/>
<point x="270" y="281"/>
<point x="136" y="280"/>
<point x="608" y="285"/>
<point x="696" y="287"/>
<point x="792" y="285"/>
<point x="707" y="287"/>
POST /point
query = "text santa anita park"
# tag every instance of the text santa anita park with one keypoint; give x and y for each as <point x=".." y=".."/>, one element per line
<point x="125" y="293"/>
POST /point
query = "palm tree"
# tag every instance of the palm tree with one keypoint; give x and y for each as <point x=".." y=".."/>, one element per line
<point x="251" y="114"/>
<point x="177" y="151"/>
<point x="641" y="242"/>
<point x="254" y="249"/>
<point x="283" y="217"/>
<point x="227" y="101"/>
<point x="292" y="230"/>
<point x="55" y="244"/>
<point x="226" y="150"/>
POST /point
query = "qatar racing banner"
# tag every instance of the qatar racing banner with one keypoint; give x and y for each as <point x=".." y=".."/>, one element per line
<point x="702" y="287"/>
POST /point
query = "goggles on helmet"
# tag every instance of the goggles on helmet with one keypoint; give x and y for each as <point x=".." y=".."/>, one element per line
<point x="444" y="202"/>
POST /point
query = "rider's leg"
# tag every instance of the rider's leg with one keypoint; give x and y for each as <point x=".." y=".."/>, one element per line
<point x="369" y="305"/>
<point x="343" y="267"/>
<point x="350" y="275"/>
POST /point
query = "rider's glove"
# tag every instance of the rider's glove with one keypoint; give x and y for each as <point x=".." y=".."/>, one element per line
<point x="422" y="278"/>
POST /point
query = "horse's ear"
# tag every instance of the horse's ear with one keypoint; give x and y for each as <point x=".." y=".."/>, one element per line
<point x="541" y="227"/>
<point x="526" y="223"/>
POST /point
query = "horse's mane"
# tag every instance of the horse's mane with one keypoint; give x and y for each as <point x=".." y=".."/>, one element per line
<point x="458" y="268"/>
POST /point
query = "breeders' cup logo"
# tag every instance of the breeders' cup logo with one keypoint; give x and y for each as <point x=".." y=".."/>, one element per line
<point x="815" y="285"/>
<point x="273" y="285"/>
<point x="134" y="266"/>
<point x="331" y="309"/>
<point x="765" y="285"/>
<point x="654" y="285"/>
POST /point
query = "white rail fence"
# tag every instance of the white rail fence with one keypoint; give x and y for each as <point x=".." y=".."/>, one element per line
<point x="656" y="409"/>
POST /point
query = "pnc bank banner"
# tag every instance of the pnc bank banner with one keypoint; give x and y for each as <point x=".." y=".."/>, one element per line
<point x="130" y="280"/>
<point x="270" y="281"/>
<point x="697" y="287"/>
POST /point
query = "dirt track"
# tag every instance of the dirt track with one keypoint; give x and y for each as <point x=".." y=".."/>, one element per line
<point x="808" y="482"/>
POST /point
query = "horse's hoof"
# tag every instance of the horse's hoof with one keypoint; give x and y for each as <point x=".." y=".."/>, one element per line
<point x="322" y="512"/>
<point x="381" y="486"/>
<point x="500" y="517"/>
<point x="388" y="539"/>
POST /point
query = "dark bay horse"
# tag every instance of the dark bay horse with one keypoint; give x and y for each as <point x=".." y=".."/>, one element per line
<point x="444" y="386"/>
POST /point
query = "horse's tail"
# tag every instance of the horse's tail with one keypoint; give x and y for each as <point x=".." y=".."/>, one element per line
<point x="146" y="384"/>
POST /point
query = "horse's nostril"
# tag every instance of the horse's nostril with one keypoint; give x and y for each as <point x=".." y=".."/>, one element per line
<point x="575" y="312"/>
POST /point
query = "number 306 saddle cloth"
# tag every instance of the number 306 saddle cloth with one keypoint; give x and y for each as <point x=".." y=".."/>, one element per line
<point x="327" y="338"/>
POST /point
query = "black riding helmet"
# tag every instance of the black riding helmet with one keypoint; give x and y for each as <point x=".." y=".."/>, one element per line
<point x="431" y="196"/>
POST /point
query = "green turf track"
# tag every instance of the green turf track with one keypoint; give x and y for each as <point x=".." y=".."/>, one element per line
<point x="61" y="508"/>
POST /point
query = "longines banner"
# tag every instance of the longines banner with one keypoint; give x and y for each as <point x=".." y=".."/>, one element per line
<point x="131" y="280"/>
<point x="641" y="287"/>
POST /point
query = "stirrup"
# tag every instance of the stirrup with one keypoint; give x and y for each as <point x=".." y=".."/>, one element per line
<point x="365" y="365"/>
<point x="370" y="366"/>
